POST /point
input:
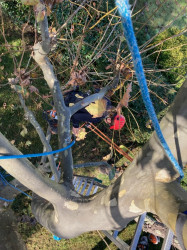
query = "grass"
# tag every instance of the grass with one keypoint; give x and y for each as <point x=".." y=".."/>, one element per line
<point x="37" y="237"/>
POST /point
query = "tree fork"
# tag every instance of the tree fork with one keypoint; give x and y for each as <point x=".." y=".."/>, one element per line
<point x="149" y="184"/>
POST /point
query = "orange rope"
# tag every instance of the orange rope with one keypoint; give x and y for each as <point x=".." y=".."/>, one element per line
<point x="82" y="125"/>
<point x="109" y="141"/>
<point x="107" y="137"/>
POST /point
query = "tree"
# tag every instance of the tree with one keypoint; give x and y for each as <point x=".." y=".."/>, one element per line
<point x="56" y="205"/>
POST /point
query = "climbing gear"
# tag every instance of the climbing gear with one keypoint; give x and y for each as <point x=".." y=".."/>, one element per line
<point x="125" y="12"/>
<point x="52" y="121"/>
<point x="37" y="155"/>
<point x="154" y="239"/>
<point x="119" y="122"/>
<point x="98" y="132"/>
<point x="53" y="114"/>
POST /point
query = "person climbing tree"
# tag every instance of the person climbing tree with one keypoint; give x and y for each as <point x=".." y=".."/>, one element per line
<point x="94" y="113"/>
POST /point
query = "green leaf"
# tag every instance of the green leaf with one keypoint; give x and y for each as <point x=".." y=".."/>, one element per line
<point x="28" y="143"/>
<point x="123" y="148"/>
<point x="24" y="131"/>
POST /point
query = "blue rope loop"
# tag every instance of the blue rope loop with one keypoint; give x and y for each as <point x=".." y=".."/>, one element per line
<point x="5" y="157"/>
<point x="7" y="183"/>
<point x="124" y="10"/>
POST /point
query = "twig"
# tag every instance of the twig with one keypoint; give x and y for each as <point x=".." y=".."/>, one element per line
<point x="82" y="7"/>
<point x="103" y="240"/>
<point x="7" y="44"/>
<point x="152" y="14"/>
<point x="75" y="61"/>
<point x="134" y="5"/>
<point x="99" y="43"/>
<point x="71" y="17"/>
<point x="103" y="17"/>
<point x="164" y="70"/>
<point x="23" y="41"/>
<point x="169" y="49"/>
<point x="163" y="29"/>
<point x="154" y="46"/>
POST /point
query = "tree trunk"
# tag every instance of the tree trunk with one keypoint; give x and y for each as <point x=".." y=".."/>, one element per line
<point x="149" y="184"/>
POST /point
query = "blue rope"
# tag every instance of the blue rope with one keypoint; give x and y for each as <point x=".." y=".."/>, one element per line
<point x="37" y="155"/>
<point x="124" y="10"/>
<point x="3" y="199"/>
<point x="6" y="182"/>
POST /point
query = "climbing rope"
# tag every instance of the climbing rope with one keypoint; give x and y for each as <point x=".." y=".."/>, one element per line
<point x="5" y="182"/>
<point x="98" y="132"/>
<point x="124" y="10"/>
<point x="37" y="155"/>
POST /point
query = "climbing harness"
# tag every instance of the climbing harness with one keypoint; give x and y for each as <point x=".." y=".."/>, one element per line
<point x="124" y="10"/>
<point x="51" y="117"/>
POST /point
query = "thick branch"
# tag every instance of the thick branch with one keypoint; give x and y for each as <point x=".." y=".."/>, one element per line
<point x="27" y="174"/>
<point x="40" y="56"/>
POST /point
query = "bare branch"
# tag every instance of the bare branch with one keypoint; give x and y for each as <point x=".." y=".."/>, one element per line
<point x="40" y="132"/>
<point x="70" y="18"/>
<point x="171" y="37"/>
<point x="162" y="30"/>
<point x="6" y="42"/>
<point x="86" y="101"/>
<point x="27" y="174"/>
<point x="40" y="56"/>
